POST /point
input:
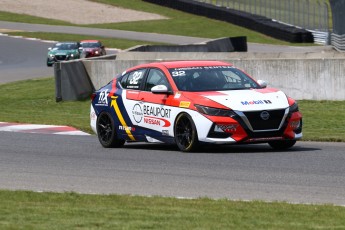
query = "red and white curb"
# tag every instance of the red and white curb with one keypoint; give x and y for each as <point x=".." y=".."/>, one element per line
<point x="43" y="129"/>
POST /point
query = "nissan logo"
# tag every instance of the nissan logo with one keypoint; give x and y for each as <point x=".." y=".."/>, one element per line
<point x="264" y="115"/>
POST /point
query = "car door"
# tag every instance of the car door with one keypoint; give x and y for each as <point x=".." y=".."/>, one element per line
<point x="129" y="110"/>
<point x="156" y="108"/>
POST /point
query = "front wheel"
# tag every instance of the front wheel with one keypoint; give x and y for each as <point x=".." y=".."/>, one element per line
<point x="106" y="132"/>
<point x="186" y="136"/>
<point x="281" y="145"/>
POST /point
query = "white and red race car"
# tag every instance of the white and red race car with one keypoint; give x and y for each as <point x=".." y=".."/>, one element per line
<point x="191" y="103"/>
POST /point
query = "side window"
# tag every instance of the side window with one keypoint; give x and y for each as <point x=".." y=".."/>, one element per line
<point x="124" y="81"/>
<point x="156" y="77"/>
<point x="134" y="79"/>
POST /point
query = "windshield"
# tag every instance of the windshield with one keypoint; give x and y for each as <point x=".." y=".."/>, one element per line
<point x="211" y="78"/>
<point x="65" y="46"/>
<point x="91" y="45"/>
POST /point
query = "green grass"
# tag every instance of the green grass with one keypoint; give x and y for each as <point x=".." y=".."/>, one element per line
<point x="323" y="120"/>
<point x="108" y="42"/>
<point x="178" y="23"/>
<point x="35" y="103"/>
<point x="29" y="210"/>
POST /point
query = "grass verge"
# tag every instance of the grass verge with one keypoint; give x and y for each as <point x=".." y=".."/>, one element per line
<point x="29" y="210"/>
<point x="35" y="103"/>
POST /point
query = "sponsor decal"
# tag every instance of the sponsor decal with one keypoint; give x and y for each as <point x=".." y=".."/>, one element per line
<point x="156" y="121"/>
<point x="156" y="111"/>
<point x="226" y="128"/>
<point x="103" y="98"/>
<point x="177" y="95"/>
<point x="184" y="104"/>
<point x="137" y="113"/>
<point x="258" y="102"/>
<point x="151" y="115"/>
<point x="126" y="128"/>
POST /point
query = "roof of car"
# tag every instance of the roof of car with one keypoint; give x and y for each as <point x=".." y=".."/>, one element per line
<point x="89" y="41"/>
<point x="182" y="64"/>
<point x="176" y="64"/>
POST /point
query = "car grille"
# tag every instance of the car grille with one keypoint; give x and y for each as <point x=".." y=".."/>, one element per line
<point x="259" y="124"/>
<point x="60" y="57"/>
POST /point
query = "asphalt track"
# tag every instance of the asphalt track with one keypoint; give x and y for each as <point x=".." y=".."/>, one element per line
<point x="311" y="172"/>
<point x="308" y="173"/>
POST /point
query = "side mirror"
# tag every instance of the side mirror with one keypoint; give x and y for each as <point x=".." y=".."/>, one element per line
<point x="262" y="83"/>
<point x="161" y="89"/>
<point x="49" y="48"/>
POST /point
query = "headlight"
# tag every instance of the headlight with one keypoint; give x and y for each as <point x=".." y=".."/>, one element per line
<point x="72" y="55"/>
<point x="294" y="108"/>
<point x="51" y="55"/>
<point x="96" y="52"/>
<point x="215" y="112"/>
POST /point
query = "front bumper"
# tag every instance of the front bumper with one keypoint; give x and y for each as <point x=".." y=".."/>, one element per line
<point x="244" y="129"/>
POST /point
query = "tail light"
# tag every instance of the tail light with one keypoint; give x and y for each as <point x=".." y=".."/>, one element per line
<point x="93" y="95"/>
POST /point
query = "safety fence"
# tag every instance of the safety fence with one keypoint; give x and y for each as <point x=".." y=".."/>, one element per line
<point x="312" y="15"/>
<point x="307" y="14"/>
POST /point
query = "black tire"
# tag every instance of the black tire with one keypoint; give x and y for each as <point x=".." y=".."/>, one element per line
<point x="106" y="132"/>
<point x="186" y="136"/>
<point x="281" y="145"/>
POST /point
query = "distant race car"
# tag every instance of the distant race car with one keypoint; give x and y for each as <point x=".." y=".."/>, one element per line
<point x="63" y="51"/>
<point x="92" y="48"/>
<point x="191" y="103"/>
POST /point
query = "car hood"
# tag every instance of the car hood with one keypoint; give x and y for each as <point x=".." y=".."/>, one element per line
<point x="249" y="100"/>
<point x="91" y="49"/>
<point x="62" y="52"/>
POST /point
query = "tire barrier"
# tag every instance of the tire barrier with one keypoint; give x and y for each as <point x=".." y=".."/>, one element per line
<point x="233" y="44"/>
<point x="254" y="22"/>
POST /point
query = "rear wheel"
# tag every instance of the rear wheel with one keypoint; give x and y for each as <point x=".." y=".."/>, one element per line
<point x="106" y="132"/>
<point x="186" y="136"/>
<point x="281" y="145"/>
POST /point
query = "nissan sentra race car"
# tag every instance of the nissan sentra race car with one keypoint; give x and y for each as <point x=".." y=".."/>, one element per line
<point x="191" y="103"/>
<point x="92" y="48"/>
<point x="63" y="51"/>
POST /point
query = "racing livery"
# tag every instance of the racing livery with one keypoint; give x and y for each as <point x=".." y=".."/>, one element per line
<point x="191" y="103"/>
<point x="63" y="51"/>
